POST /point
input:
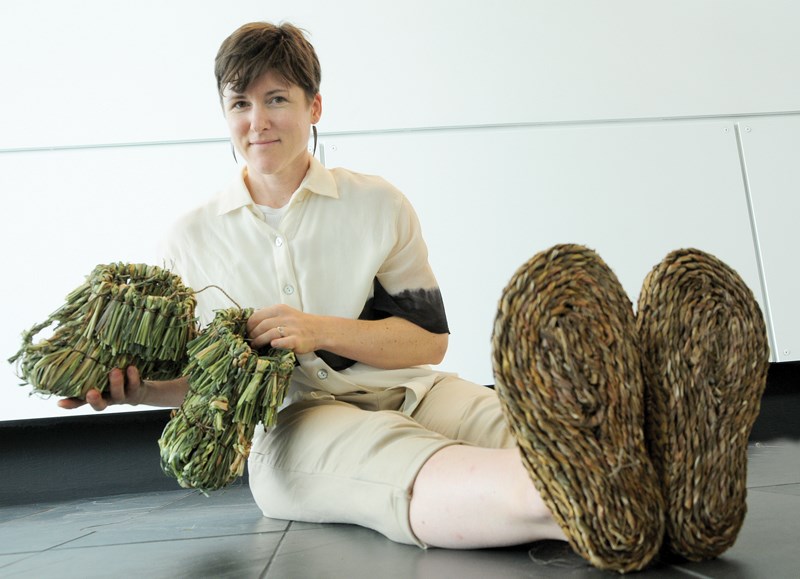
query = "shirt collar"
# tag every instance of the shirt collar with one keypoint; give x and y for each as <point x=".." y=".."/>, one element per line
<point x="318" y="180"/>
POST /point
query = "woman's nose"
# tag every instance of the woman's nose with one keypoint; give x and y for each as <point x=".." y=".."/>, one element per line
<point x="259" y="120"/>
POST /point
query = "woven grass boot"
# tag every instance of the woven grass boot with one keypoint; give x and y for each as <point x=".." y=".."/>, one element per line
<point x="705" y="360"/>
<point x="567" y="371"/>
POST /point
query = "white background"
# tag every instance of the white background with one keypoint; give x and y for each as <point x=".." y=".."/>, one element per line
<point x="631" y="126"/>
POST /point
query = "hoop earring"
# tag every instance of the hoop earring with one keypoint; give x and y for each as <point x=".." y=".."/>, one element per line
<point x="233" y="151"/>
<point x="314" y="129"/>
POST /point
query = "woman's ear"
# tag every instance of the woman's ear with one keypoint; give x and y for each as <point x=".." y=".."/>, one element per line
<point x="316" y="109"/>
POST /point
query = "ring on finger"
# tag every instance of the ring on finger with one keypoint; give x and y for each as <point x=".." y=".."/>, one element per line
<point x="281" y="332"/>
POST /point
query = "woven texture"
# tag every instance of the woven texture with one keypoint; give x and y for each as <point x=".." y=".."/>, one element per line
<point x="567" y="371"/>
<point x="232" y="388"/>
<point x="123" y="314"/>
<point x="705" y="360"/>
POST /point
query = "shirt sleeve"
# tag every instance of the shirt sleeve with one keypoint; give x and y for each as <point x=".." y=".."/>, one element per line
<point x="405" y="285"/>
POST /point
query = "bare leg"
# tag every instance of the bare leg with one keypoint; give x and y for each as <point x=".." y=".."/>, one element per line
<point x="467" y="497"/>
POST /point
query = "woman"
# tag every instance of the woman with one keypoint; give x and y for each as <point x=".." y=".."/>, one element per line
<point x="336" y="265"/>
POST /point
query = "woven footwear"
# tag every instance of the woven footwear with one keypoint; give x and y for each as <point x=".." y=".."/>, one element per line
<point x="567" y="371"/>
<point x="705" y="360"/>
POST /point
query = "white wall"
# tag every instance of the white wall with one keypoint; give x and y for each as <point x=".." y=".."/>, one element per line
<point x="621" y="124"/>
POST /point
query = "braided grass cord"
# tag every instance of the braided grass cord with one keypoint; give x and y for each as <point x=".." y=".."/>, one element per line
<point x="567" y="371"/>
<point x="122" y="314"/>
<point x="705" y="361"/>
<point x="232" y="388"/>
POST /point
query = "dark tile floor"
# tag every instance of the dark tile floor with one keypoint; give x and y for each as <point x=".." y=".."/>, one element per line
<point x="185" y="534"/>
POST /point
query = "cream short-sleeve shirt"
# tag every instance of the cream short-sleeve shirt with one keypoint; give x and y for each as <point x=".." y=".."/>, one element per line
<point x="348" y="245"/>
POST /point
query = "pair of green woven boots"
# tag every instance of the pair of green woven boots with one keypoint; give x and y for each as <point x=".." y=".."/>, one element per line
<point x="633" y="427"/>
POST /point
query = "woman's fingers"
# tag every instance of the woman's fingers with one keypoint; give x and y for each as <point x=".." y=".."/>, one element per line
<point x="71" y="403"/>
<point x="124" y="387"/>
<point x="94" y="398"/>
<point x="116" y="386"/>
<point x="135" y="386"/>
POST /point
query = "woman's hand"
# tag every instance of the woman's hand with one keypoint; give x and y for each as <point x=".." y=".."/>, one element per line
<point x="123" y="388"/>
<point x="282" y="326"/>
<point x="127" y="387"/>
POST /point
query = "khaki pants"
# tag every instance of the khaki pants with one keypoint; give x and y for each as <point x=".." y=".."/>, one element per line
<point x="354" y="459"/>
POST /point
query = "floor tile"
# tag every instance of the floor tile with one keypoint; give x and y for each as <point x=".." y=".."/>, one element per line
<point x="16" y="512"/>
<point x="37" y="533"/>
<point x="773" y="463"/>
<point x="342" y="551"/>
<point x="788" y="489"/>
<point x="74" y="520"/>
<point x="238" y="557"/>
<point x="767" y="544"/>
<point x="6" y="560"/>
<point x="183" y="522"/>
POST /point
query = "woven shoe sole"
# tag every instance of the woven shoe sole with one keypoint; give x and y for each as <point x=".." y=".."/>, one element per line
<point x="705" y="361"/>
<point x="567" y="371"/>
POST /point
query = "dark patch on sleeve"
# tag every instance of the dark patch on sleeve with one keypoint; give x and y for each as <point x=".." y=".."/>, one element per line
<point x="423" y="307"/>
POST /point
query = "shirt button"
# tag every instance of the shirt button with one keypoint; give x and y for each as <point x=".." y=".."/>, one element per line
<point x="288" y="290"/>
<point x="322" y="374"/>
<point x="279" y="241"/>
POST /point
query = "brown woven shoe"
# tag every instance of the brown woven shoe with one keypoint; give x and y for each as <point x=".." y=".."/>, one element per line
<point x="567" y="370"/>
<point x="705" y="360"/>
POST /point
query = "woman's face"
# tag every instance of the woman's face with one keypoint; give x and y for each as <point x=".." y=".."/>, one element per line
<point x="270" y="124"/>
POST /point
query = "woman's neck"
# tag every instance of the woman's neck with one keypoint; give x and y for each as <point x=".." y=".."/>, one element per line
<point x="275" y="190"/>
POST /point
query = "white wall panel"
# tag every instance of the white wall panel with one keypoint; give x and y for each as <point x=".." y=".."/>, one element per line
<point x="488" y="199"/>
<point x="771" y="151"/>
<point x="98" y="71"/>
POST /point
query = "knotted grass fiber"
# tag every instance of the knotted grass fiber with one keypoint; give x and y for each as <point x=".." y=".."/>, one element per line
<point x="122" y="314"/>
<point x="232" y="388"/>
<point x="567" y="371"/>
<point x="143" y="315"/>
<point x="705" y="361"/>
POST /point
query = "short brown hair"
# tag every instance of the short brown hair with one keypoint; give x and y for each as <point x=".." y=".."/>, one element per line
<point x="260" y="47"/>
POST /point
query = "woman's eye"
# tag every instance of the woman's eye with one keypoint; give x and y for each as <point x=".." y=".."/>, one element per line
<point x="238" y="105"/>
<point x="277" y="100"/>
